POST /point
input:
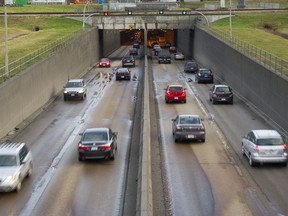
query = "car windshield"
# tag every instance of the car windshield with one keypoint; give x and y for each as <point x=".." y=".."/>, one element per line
<point x="8" y="160"/>
<point x="175" y="88"/>
<point x="189" y="120"/>
<point x="95" y="136"/>
<point x="270" y="141"/>
<point x="74" y="84"/>
<point x="223" y="89"/>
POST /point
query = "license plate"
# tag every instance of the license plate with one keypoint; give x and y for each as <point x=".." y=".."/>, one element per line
<point x="72" y="94"/>
<point x="94" y="148"/>
<point x="122" y="76"/>
<point x="175" y="98"/>
<point x="190" y="136"/>
<point x="223" y="99"/>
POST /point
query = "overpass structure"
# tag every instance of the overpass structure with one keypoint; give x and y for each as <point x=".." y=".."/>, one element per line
<point x="151" y="20"/>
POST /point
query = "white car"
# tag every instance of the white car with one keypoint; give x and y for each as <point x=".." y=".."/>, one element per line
<point x="15" y="165"/>
<point x="179" y="56"/>
<point x="75" y="88"/>
<point x="264" y="146"/>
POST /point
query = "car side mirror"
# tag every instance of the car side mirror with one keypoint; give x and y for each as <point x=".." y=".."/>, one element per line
<point x="80" y="134"/>
<point x="173" y="120"/>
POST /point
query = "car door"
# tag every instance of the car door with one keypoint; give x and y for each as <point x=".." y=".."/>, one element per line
<point x="24" y="163"/>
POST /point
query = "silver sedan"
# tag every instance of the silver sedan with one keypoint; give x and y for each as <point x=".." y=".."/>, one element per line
<point x="179" y="56"/>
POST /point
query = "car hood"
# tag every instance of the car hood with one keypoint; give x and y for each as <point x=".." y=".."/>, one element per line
<point x="74" y="89"/>
<point x="8" y="171"/>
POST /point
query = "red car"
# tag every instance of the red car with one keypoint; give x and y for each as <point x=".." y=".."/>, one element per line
<point x="172" y="49"/>
<point x="175" y="92"/>
<point x="104" y="62"/>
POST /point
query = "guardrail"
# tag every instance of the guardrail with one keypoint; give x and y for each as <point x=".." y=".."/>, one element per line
<point x="21" y="64"/>
<point x="268" y="60"/>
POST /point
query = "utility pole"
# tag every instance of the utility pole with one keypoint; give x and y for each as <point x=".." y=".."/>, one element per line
<point x="6" y="44"/>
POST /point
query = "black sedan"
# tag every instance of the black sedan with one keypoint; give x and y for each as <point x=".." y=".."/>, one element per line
<point x="191" y="67"/>
<point x="97" y="143"/>
<point x="123" y="73"/>
<point x="204" y="75"/>
<point x="188" y="127"/>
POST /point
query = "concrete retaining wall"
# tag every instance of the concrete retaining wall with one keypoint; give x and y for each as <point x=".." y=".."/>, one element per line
<point x="25" y="94"/>
<point x="260" y="87"/>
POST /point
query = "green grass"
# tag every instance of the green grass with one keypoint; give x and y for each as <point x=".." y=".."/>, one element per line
<point x="22" y="40"/>
<point x="266" y="31"/>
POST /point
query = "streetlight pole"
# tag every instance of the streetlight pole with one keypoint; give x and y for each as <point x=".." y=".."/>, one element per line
<point x="203" y="16"/>
<point x="83" y="19"/>
<point x="6" y="43"/>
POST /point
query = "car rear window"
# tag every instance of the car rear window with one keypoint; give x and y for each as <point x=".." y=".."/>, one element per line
<point x="189" y="120"/>
<point x="270" y="142"/>
<point x="204" y="71"/>
<point x="175" y="88"/>
<point x="95" y="136"/>
<point x="191" y="64"/>
<point x="222" y="89"/>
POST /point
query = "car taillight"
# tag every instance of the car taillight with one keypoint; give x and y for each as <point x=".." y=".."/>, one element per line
<point x="202" y="128"/>
<point x="285" y="147"/>
<point x="183" y="93"/>
<point x="83" y="147"/>
<point x="106" y="147"/>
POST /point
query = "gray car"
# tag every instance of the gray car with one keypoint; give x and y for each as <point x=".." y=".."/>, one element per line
<point x="15" y="165"/>
<point x="220" y="94"/>
<point x="97" y="143"/>
<point x="264" y="146"/>
<point x="188" y="127"/>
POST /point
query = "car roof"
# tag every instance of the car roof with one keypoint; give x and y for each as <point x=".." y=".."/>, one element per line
<point x="96" y="130"/>
<point x="104" y="59"/>
<point x="176" y="85"/>
<point x="221" y="86"/>
<point x="10" y="148"/>
<point x="122" y="69"/>
<point x="266" y="133"/>
<point x="189" y="115"/>
<point x="75" y="80"/>
<point x="204" y="69"/>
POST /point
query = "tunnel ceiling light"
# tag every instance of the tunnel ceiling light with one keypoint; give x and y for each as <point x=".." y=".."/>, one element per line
<point x="184" y="12"/>
<point x="161" y="11"/>
<point x="129" y="12"/>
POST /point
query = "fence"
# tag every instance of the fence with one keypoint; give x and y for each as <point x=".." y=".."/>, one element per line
<point x="21" y="64"/>
<point x="264" y="58"/>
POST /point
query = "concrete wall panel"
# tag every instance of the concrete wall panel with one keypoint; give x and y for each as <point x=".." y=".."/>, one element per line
<point x="24" y="94"/>
<point x="258" y="85"/>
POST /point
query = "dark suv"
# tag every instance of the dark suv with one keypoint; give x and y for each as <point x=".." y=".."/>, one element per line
<point x="128" y="61"/>
<point x="221" y="93"/>
<point x="164" y="58"/>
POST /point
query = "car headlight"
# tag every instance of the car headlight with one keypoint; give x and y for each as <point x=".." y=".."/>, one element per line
<point x="81" y="91"/>
<point x="10" y="179"/>
<point x="65" y="92"/>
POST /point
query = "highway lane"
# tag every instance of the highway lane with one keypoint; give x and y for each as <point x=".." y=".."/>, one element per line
<point x="60" y="185"/>
<point x="234" y="122"/>
<point x="206" y="177"/>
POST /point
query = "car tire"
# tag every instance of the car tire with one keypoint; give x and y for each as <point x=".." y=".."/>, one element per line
<point x="80" y="158"/>
<point x="29" y="173"/>
<point x="166" y="101"/>
<point x="19" y="185"/>
<point x="242" y="150"/>
<point x="202" y="140"/>
<point x="184" y="101"/>
<point x="65" y="99"/>
<point x="112" y="157"/>
<point x="213" y="101"/>
<point x="231" y="102"/>
<point x="251" y="162"/>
